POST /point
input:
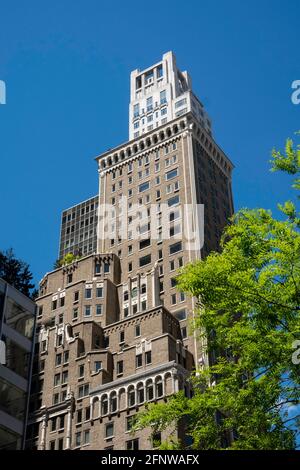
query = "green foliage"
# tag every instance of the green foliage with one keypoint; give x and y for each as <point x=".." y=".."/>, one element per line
<point x="16" y="272"/>
<point x="67" y="259"/>
<point x="249" y="313"/>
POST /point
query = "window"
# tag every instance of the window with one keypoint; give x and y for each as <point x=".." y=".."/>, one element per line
<point x="65" y="376"/>
<point x="149" y="104"/>
<point x="87" y="310"/>
<point x="159" y="71"/>
<point x="99" y="292"/>
<point x="75" y="313"/>
<point x="120" y="367"/>
<point x="69" y="278"/>
<point x="173" y="299"/>
<point x="98" y="267"/>
<point x="156" y="440"/>
<point x="98" y="309"/>
<point x="130" y="422"/>
<point x="122" y="337"/>
<point x="106" y="268"/>
<point x="126" y="312"/>
<point x="129" y="249"/>
<point x="144" y="305"/>
<point x="148" y="357"/>
<point x="182" y="296"/>
<point x="83" y="390"/>
<point x="180" y="314"/>
<point x="56" y="380"/>
<point x="62" y="301"/>
<point x="144" y="243"/>
<point x="97" y="366"/>
<point x="175" y="247"/>
<point x="52" y="445"/>
<point x="180" y="262"/>
<point x="136" y="110"/>
<point x="144" y="186"/>
<point x="76" y="296"/>
<point x="60" y="319"/>
<point x="59" y="340"/>
<point x="109" y="430"/>
<point x="173" y="201"/>
<point x="88" y="293"/>
<point x="78" y="439"/>
<point x="159" y="388"/>
<point x="58" y="359"/>
<point x="164" y="111"/>
<point x="54" y="304"/>
<point x="53" y="424"/>
<point x="61" y="422"/>
<point x="81" y="371"/>
<point x="129" y="267"/>
<point x="60" y="444"/>
<point x="139" y="360"/>
<point x="79" y="416"/>
<point x="137" y="330"/>
<point x="132" y="445"/>
<point x="184" y="332"/>
<point x="163" y="97"/>
<point x="145" y="260"/>
<point x="87" y="413"/>
<point x="66" y="357"/>
<point x="171" y="174"/>
<point x="86" y="437"/>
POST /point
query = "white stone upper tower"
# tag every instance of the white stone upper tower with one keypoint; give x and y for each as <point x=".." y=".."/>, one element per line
<point x="159" y="94"/>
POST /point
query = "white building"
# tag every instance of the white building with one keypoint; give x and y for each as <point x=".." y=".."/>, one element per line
<point x="159" y="94"/>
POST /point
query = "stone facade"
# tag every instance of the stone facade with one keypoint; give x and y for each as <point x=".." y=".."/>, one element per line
<point x="114" y="332"/>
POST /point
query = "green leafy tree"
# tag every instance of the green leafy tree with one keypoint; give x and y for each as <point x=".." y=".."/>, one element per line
<point x="249" y="316"/>
<point x="16" y="272"/>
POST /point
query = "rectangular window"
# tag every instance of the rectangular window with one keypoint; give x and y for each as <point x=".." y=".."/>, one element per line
<point x="75" y="313"/>
<point x="136" y="110"/>
<point x="86" y="437"/>
<point x="138" y="360"/>
<point x="65" y="376"/>
<point x="97" y="366"/>
<point x="144" y="186"/>
<point x="132" y="445"/>
<point x="56" y="380"/>
<point x="175" y="248"/>
<point x="171" y="174"/>
<point x="180" y="314"/>
<point x="58" y="359"/>
<point x="78" y="439"/>
<point x="81" y="371"/>
<point x="120" y="367"/>
<point x="76" y="296"/>
<point x="99" y="292"/>
<point x="109" y="430"/>
<point x="163" y="97"/>
<point x="137" y="330"/>
<point x="88" y="293"/>
<point x="145" y="243"/>
<point x="66" y="357"/>
<point x="173" y="201"/>
<point x="87" y="310"/>
<point x="98" y="309"/>
<point x="145" y="260"/>
<point x="122" y="337"/>
<point x="148" y="357"/>
<point x="149" y="104"/>
<point x="83" y="390"/>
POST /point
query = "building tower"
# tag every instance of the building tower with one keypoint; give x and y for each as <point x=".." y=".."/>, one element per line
<point x="113" y="330"/>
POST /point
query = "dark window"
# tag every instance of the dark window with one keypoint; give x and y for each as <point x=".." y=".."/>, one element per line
<point x="139" y="360"/>
<point x="145" y="260"/>
<point x="132" y="445"/>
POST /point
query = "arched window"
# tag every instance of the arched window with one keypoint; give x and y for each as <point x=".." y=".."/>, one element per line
<point x="131" y="396"/>
<point x="134" y="292"/>
<point x="113" y="402"/>
<point x="159" y="388"/>
<point x="104" y="405"/>
<point x="140" y="393"/>
<point x="149" y="390"/>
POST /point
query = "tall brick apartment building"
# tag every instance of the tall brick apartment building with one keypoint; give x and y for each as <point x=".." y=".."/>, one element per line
<point x="113" y="330"/>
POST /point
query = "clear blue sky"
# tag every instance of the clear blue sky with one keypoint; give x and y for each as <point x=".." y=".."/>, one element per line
<point x="66" y="65"/>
